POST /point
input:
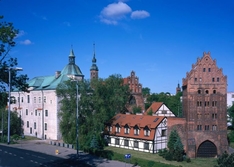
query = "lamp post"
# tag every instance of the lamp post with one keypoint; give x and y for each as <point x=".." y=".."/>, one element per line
<point x="9" y="100"/>
<point x="73" y="78"/>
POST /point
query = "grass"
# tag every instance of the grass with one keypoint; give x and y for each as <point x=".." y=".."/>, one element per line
<point x="198" y="162"/>
<point x="30" y="138"/>
<point x="232" y="145"/>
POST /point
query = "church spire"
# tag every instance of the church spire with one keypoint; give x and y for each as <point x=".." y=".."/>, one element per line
<point x="94" y="68"/>
<point x="71" y="57"/>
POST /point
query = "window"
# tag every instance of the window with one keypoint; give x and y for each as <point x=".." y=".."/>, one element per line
<point x="46" y="113"/>
<point x="35" y="112"/>
<point x="209" y="70"/>
<point x="200" y="79"/>
<point x="214" y="116"/>
<point x="30" y="130"/>
<point x="28" y="98"/>
<point x="27" y="124"/>
<point x="18" y="99"/>
<point x="110" y="128"/>
<point x="213" y="79"/>
<point x="26" y="111"/>
<point x="39" y="99"/>
<point x="214" y="103"/>
<point x="195" y="79"/>
<point x="199" y="91"/>
<point x="45" y="126"/>
<point x="214" y="91"/>
<point x="22" y="99"/>
<point x="126" y="143"/>
<point x="45" y="137"/>
<point x="207" y="91"/>
<point x="35" y="125"/>
<point x="232" y="95"/>
<point x="214" y="127"/>
<point x="136" y="130"/>
<point x="164" y="132"/>
<point x="204" y="69"/>
<point x="116" y="141"/>
<point x="44" y="99"/>
<point x="146" y="131"/>
<point x="164" y="112"/>
<point x="217" y="79"/>
<point x="126" y="129"/>
<point x="199" y="103"/>
<point x="206" y="127"/>
<point x="146" y="146"/>
<point x="34" y="100"/>
<point x="199" y="127"/>
<point x="117" y="128"/>
<point x="136" y="144"/>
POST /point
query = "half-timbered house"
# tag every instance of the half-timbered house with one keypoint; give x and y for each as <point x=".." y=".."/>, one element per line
<point x="137" y="132"/>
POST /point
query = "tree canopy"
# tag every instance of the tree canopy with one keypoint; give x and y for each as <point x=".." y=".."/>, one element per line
<point x="7" y="41"/>
<point x="99" y="101"/>
<point x="172" y="101"/>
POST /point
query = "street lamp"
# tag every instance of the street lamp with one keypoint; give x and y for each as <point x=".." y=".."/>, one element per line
<point x="9" y="100"/>
<point x="73" y="78"/>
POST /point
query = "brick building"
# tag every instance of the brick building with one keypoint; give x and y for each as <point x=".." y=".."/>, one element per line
<point x="136" y="99"/>
<point x="203" y="128"/>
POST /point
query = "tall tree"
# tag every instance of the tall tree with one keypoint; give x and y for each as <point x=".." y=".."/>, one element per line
<point x="7" y="37"/>
<point x="99" y="101"/>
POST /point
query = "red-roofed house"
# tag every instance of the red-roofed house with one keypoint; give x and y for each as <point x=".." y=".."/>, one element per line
<point x="138" y="132"/>
<point x="159" y="109"/>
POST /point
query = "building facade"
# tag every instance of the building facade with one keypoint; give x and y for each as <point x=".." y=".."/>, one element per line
<point x="136" y="99"/>
<point x="137" y="132"/>
<point x="230" y="99"/>
<point x="159" y="109"/>
<point x="205" y="109"/>
<point x="39" y="106"/>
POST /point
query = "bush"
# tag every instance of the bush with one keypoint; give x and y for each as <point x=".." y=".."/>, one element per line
<point x="162" y="152"/>
<point x="188" y="160"/>
<point x="169" y="156"/>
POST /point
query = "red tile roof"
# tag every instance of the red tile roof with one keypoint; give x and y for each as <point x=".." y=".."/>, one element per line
<point x="154" y="106"/>
<point x="131" y="120"/>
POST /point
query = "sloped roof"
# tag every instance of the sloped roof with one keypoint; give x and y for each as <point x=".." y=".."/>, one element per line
<point x="154" y="106"/>
<point x="51" y="82"/>
<point x="141" y="121"/>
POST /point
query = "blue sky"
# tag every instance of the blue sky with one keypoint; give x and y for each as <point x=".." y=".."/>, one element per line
<point x="158" y="39"/>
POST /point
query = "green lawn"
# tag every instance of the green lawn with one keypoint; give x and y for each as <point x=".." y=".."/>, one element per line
<point x="198" y="162"/>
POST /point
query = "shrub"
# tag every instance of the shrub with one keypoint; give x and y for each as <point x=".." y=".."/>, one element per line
<point x="188" y="160"/>
<point x="169" y="156"/>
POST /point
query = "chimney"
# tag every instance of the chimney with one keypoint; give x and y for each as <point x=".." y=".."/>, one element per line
<point x="57" y="74"/>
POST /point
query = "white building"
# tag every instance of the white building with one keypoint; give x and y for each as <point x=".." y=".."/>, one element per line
<point x="159" y="109"/>
<point x="39" y="107"/>
<point x="137" y="132"/>
<point x="230" y="99"/>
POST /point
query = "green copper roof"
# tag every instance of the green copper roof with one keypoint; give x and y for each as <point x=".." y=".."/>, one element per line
<point x="51" y="82"/>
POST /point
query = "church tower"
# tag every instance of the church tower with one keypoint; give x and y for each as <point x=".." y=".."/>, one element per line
<point x="94" y="68"/>
<point x="205" y="108"/>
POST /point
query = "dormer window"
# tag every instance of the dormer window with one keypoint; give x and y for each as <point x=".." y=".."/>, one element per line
<point x="117" y="128"/>
<point x="136" y="130"/>
<point x="110" y="128"/>
<point x="126" y="129"/>
<point x="146" y="131"/>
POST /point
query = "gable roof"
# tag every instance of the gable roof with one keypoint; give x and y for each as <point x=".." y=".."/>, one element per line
<point x="141" y="121"/>
<point x="154" y="106"/>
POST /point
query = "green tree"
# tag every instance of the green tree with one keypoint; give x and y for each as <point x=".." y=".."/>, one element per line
<point x="172" y="101"/>
<point x="150" y="112"/>
<point x="99" y="101"/>
<point x="136" y="110"/>
<point x="145" y="92"/>
<point x="7" y="37"/>
<point x="225" y="160"/>
<point x="175" y="146"/>
<point x="230" y="112"/>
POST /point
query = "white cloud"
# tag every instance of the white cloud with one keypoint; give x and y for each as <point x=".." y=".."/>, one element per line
<point x="140" y="14"/>
<point x="114" y="12"/>
<point x="20" y="34"/>
<point x="26" y="42"/>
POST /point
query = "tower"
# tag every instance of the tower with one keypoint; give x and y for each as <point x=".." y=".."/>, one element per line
<point x="178" y="89"/>
<point x="205" y="108"/>
<point x="94" y="68"/>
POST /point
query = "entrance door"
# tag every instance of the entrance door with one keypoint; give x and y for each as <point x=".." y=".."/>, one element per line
<point x="207" y="149"/>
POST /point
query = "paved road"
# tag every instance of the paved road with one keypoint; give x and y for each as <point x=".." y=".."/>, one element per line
<point x="39" y="153"/>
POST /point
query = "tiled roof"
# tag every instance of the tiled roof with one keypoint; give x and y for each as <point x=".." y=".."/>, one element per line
<point x="154" y="106"/>
<point x="141" y="121"/>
